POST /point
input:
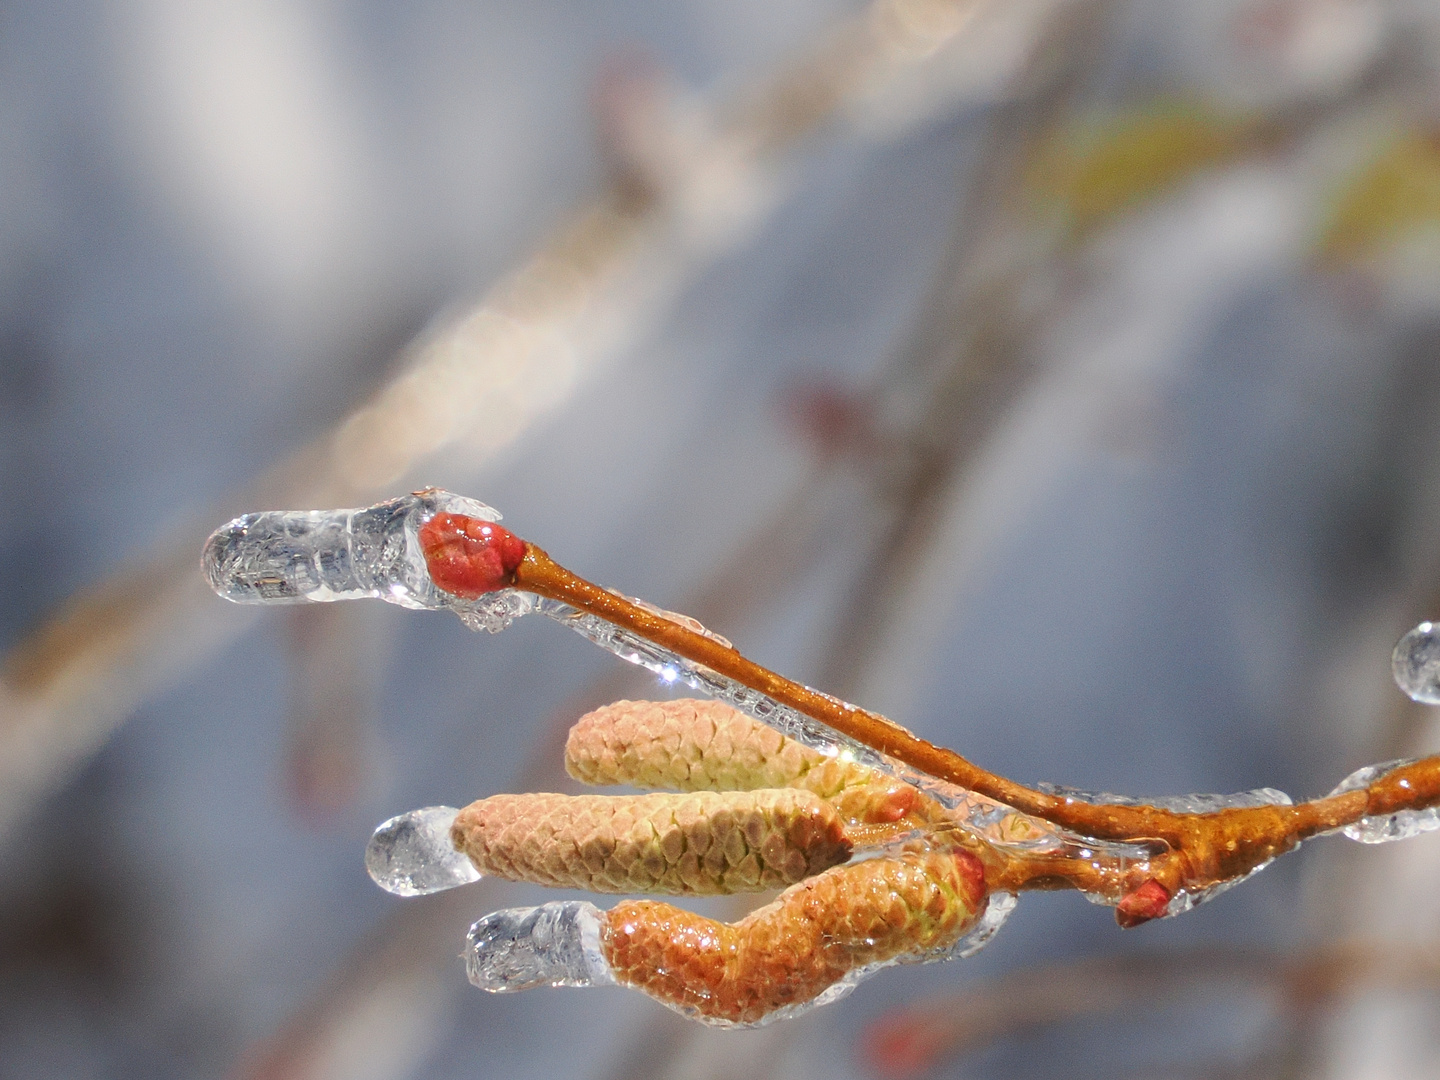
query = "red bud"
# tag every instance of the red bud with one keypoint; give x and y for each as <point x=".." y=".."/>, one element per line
<point x="973" y="873"/>
<point x="468" y="557"/>
<point x="1140" y="905"/>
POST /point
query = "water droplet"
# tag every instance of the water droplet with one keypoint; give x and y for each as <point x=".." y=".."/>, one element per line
<point x="1416" y="663"/>
<point x="412" y="855"/>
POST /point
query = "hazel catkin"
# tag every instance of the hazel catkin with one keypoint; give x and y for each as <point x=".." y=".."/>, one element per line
<point x="700" y="745"/>
<point x="790" y="951"/>
<point x="701" y="843"/>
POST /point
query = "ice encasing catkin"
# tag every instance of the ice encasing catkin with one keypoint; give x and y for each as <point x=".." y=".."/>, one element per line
<point x="700" y="745"/>
<point x="556" y="944"/>
<point x="412" y="854"/>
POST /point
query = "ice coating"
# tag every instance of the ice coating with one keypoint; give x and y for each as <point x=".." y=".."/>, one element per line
<point x="915" y="901"/>
<point x="1151" y="900"/>
<point x="378" y="552"/>
<point x="556" y="944"/>
<point x="1187" y="900"/>
<point x="1416" y="664"/>
<point x="1402" y="825"/>
<point x="702" y="843"/>
<point x="412" y="854"/>
<point x="286" y="556"/>
<point x="1180" y="804"/>
<point x="992" y="918"/>
<point x="997" y="910"/>
<point x="1382" y="828"/>
<point x="687" y="744"/>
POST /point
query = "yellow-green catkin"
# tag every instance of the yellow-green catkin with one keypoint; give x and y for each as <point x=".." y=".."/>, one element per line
<point x="708" y="746"/>
<point x="701" y="843"/>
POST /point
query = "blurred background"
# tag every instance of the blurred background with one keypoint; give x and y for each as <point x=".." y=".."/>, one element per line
<point x="1056" y="376"/>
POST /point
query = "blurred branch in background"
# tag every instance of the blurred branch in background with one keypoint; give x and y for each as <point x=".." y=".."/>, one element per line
<point x="968" y="360"/>
<point x="335" y="667"/>
<point x="698" y="183"/>
<point x="924" y="1038"/>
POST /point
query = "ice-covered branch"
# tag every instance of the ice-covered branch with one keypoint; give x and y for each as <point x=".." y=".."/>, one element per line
<point x="926" y="812"/>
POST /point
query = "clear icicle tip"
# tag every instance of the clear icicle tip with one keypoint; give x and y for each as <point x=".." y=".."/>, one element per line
<point x="411" y="855"/>
<point x="1416" y="663"/>
<point x="556" y="944"/>
<point x="291" y="557"/>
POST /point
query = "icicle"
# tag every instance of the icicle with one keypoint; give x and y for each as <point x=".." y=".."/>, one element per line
<point x="297" y="556"/>
<point x="411" y="855"/>
<point x="1416" y="664"/>
<point x="556" y="944"/>
<point x="1399" y="826"/>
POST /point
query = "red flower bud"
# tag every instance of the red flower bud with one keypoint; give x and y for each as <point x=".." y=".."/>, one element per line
<point x="1147" y="902"/>
<point x="468" y="557"/>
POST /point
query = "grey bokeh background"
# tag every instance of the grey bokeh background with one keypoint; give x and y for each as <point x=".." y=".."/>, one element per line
<point x="1164" y="545"/>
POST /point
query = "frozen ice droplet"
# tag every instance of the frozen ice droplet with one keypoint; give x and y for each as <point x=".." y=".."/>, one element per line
<point x="412" y="855"/>
<point x="1416" y="663"/>
<point x="556" y="944"/>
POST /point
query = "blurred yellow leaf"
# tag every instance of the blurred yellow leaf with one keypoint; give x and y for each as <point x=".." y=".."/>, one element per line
<point x="1392" y="198"/>
<point x="1091" y="173"/>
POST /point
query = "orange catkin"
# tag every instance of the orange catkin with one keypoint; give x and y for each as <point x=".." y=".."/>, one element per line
<point x="792" y="950"/>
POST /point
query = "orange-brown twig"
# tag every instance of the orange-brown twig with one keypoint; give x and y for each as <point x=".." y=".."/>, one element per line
<point x="1192" y="852"/>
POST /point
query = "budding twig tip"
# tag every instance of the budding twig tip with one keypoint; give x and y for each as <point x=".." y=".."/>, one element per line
<point x="469" y="557"/>
<point x="1146" y="902"/>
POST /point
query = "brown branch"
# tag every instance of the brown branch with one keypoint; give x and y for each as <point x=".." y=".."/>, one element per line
<point x="1197" y="851"/>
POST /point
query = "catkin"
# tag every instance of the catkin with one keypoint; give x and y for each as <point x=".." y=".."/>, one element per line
<point x="790" y="951"/>
<point x="698" y="745"/>
<point x="702" y="843"/>
<point x="701" y="745"/>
